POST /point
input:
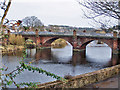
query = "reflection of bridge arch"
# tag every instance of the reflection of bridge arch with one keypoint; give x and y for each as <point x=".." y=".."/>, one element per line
<point x="48" y="41"/>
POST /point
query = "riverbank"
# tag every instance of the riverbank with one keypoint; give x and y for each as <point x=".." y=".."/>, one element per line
<point x="78" y="50"/>
<point x="11" y="48"/>
<point x="14" y="48"/>
<point x="112" y="82"/>
<point x="41" y="48"/>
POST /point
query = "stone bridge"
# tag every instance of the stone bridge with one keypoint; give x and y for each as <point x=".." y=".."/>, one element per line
<point x="77" y="41"/>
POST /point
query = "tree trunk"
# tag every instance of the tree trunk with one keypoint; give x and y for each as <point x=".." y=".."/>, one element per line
<point x="3" y="17"/>
<point x="119" y="18"/>
<point x="5" y="12"/>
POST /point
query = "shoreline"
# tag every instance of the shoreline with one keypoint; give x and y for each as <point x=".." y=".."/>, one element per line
<point x="7" y="49"/>
<point x="12" y="49"/>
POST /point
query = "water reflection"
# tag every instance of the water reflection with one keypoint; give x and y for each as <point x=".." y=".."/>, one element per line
<point x="61" y="62"/>
<point x="63" y="54"/>
<point x="31" y="52"/>
<point x="93" y="55"/>
<point x="100" y="55"/>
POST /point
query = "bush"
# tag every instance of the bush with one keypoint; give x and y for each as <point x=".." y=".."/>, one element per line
<point x="16" y="40"/>
<point x="19" y="40"/>
<point x="30" y="46"/>
<point x="29" y="43"/>
<point x="12" y="39"/>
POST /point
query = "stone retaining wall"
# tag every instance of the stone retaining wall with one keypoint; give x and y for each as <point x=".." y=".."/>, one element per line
<point x="84" y="79"/>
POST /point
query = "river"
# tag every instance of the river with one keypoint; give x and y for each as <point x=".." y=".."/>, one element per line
<point x="61" y="62"/>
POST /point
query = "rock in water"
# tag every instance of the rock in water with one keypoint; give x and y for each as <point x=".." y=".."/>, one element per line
<point x="59" y="43"/>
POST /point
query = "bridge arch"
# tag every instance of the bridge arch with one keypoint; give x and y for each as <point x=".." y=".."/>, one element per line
<point x="26" y="38"/>
<point x="84" y="44"/>
<point x="50" y="40"/>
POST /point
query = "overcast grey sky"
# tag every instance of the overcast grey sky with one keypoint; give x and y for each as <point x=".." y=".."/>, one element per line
<point x="58" y="12"/>
<point x="55" y="12"/>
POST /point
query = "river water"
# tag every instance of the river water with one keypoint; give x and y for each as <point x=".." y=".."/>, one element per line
<point x="61" y="62"/>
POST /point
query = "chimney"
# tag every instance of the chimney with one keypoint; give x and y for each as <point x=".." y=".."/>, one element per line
<point x="114" y="34"/>
<point x="36" y="31"/>
<point x="50" y="30"/>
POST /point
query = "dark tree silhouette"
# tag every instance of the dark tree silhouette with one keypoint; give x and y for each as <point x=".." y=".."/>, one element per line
<point x="32" y="21"/>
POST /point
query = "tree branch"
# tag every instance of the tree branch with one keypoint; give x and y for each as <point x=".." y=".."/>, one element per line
<point x="6" y="11"/>
<point x="110" y="9"/>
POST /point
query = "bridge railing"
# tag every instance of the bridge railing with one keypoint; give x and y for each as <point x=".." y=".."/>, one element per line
<point x="67" y="33"/>
<point x="95" y="34"/>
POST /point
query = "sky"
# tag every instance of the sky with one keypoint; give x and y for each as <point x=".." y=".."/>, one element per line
<point x="55" y="12"/>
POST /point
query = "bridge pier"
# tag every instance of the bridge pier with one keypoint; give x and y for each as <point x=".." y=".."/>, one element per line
<point x="115" y="48"/>
<point x="37" y="37"/>
<point x="115" y="52"/>
<point x="75" y="40"/>
<point x="115" y="60"/>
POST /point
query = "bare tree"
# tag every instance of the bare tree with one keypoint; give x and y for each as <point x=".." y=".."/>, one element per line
<point x="32" y="21"/>
<point x="5" y="5"/>
<point x="98" y="8"/>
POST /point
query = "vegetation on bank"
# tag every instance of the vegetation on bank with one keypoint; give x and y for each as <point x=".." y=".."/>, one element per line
<point x="30" y="44"/>
<point x="12" y="43"/>
<point x="16" y="40"/>
<point x="11" y="48"/>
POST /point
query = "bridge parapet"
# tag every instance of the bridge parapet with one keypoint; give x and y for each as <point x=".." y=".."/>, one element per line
<point x="68" y="33"/>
